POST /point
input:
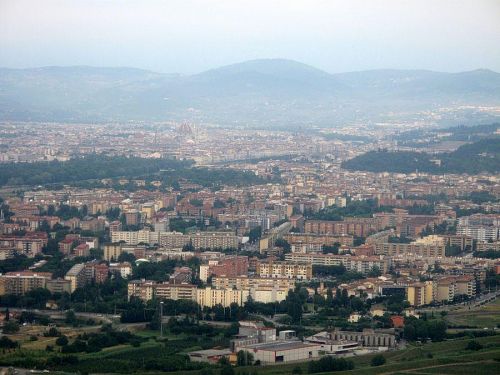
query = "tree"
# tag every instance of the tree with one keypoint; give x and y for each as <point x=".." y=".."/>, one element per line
<point x="70" y="317"/>
<point x="10" y="327"/>
<point x="473" y="345"/>
<point x="62" y="341"/>
<point x="378" y="360"/>
<point x="244" y="358"/>
<point x="375" y="272"/>
<point x="6" y="343"/>
<point x="52" y="332"/>
<point x="227" y="370"/>
<point x="255" y="234"/>
<point x="294" y="306"/>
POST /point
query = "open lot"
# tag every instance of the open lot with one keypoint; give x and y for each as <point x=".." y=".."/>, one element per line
<point x="486" y="316"/>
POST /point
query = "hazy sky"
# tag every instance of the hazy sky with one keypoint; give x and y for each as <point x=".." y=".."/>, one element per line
<point x="189" y="36"/>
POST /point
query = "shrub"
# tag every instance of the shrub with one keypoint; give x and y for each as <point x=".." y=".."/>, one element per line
<point x="473" y="345"/>
<point x="6" y="343"/>
<point x="331" y="364"/>
<point x="378" y="360"/>
<point x="62" y="341"/>
<point x="297" y="370"/>
<point x="10" y="327"/>
<point x="52" y="332"/>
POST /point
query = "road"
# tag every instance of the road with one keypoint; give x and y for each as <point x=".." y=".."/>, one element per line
<point x="55" y="314"/>
<point x="469" y="305"/>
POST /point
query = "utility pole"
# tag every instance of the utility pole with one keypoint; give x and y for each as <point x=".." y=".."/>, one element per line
<point x="161" y="319"/>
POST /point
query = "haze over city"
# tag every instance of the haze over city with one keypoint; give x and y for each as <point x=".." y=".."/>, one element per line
<point x="190" y="36"/>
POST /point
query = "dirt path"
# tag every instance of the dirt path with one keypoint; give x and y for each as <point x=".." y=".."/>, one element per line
<point x="421" y="371"/>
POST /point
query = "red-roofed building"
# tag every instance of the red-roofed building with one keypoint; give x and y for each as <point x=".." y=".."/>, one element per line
<point x="398" y="321"/>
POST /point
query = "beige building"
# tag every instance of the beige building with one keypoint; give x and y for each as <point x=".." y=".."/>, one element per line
<point x="421" y="249"/>
<point x="210" y="297"/>
<point x="112" y="251"/>
<point x="175" y="291"/>
<point x="135" y="237"/>
<point x="284" y="270"/>
<point x="173" y="240"/>
<point x="58" y="286"/>
<point x="245" y="282"/>
<point x="420" y="293"/>
<point x="447" y="288"/>
<point x="19" y="283"/>
<point x="77" y="275"/>
<point x="362" y="264"/>
<point x="214" y="240"/>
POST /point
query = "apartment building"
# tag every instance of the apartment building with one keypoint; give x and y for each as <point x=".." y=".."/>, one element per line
<point x="443" y="289"/>
<point x="480" y="232"/>
<point x="142" y="289"/>
<point x="30" y="244"/>
<point x="199" y="240"/>
<point x="123" y="269"/>
<point x="436" y="250"/>
<point x="230" y="266"/>
<point x="175" y="291"/>
<point x="214" y="240"/>
<point x="112" y="251"/>
<point x="360" y="227"/>
<point x="480" y="227"/>
<point x="420" y="293"/>
<point x="284" y="270"/>
<point x="19" y="283"/>
<point x="77" y="276"/>
<point x="318" y="239"/>
<point x="173" y="240"/>
<point x="210" y="296"/>
<point x="246" y="282"/>
<point x="461" y="241"/>
<point x="447" y="288"/>
<point x="58" y="286"/>
<point x="135" y="237"/>
<point x="363" y="264"/>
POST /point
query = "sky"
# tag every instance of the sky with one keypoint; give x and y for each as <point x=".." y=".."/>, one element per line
<point x="189" y="36"/>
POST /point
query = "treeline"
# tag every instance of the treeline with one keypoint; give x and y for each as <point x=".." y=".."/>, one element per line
<point x="474" y="158"/>
<point x="423" y="329"/>
<point x="86" y="172"/>
<point x="364" y="208"/>
<point x="94" y="166"/>
<point x="329" y="364"/>
<point x="470" y="133"/>
<point x="213" y="177"/>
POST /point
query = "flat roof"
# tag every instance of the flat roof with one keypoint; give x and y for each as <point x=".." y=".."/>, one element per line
<point x="211" y="352"/>
<point x="278" y="345"/>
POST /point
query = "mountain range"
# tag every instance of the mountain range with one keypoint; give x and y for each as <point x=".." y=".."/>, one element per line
<point x="254" y="93"/>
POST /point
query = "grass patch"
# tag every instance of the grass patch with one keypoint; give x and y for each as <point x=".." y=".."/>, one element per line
<point x="485" y="316"/>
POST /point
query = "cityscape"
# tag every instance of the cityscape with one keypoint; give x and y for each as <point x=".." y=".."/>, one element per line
<point x="236" y="222"/>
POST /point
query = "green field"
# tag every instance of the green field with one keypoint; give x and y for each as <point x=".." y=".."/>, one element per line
<point x="487" y="316"/>
<point x="448" y="357"/>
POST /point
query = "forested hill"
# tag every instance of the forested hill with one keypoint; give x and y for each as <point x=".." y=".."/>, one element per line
<point x="477" y="157"/>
